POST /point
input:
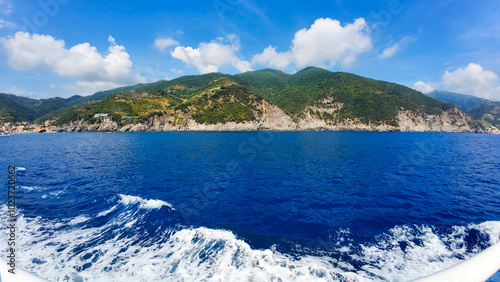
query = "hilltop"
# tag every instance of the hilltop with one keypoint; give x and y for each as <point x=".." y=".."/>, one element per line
<point x="311" y="99"/>
<point x="464" y="102"/>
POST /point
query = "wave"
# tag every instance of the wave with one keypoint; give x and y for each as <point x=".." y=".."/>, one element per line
<point x="30" y="188"/>
<point x="415" y="251"/>
<point x="20" y="168"/>
<point x="143" y="204"/>
<point x="106" y="212"/>
<point x="115" y="246"/>
<point x="79" y="219"/>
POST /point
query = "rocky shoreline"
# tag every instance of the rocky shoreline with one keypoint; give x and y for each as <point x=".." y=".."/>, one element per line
<point x="274" y="119"/>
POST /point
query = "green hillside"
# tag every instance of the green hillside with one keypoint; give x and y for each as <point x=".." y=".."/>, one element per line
<point x="488" y="112"/>
<point x="464" y="102"/>
<point x="17" y="108"/>
<point x="217" y="97"/>
<point x="221" y="100"/>
<point x="367" y="100"/>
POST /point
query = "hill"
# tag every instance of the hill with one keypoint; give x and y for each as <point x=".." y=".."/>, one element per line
<point x="16" y="108"/>
<point x="488" y="112"/>
<point x="310" y="99"/>
<point x="464" y="102"/>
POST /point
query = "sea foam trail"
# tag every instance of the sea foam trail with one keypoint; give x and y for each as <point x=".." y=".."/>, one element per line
<point x="30" y="188"/>
<point x="143" y="204"/>
<point x="118" y="250"/>
<point x="415" y="251"/>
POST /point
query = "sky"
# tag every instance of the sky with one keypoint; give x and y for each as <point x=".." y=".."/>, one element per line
<point x="61" y="48"/>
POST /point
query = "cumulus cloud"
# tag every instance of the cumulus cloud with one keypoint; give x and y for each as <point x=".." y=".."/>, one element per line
<point x="163" y="43"/>
<point x="272" y="58"/>
<point x="390" y="51"/>
<point x="423" y="87"/>
<point x="472" y="80"/>
<point x="208" y="57"/>
<point x="83" y="61"/>
<point x="325" y="44"/>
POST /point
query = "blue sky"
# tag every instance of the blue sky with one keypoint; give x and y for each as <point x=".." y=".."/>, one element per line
<point x="61" y="48"/>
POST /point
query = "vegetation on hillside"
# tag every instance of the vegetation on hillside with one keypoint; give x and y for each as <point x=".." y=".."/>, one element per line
<point x="16" y="108"/>
<point x="488" y="112"/>
<point x="138" y="106"/>
<point x="464" y="102"/>
<point x="233" y="103"/>
<point x="219" y="101"/>
<point x="216" y="97"/>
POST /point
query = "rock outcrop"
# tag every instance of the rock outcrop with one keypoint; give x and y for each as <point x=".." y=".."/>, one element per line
<point x="272" y="117"/>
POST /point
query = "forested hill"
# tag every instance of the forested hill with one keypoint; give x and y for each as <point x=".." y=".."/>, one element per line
<point x="335" y="98"/>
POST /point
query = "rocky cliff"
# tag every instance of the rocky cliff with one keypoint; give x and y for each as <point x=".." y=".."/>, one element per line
<point x="273" y="118"/>
<point x="312" y="99"/>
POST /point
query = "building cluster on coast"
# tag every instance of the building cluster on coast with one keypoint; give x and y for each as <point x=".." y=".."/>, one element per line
<point x="25" y="127"/>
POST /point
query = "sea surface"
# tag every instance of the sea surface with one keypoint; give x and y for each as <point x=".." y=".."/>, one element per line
<point x="250" y="206"/>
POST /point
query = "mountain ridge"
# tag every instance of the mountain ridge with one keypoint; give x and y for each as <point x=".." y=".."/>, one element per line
<point x="464" y="102"/>
<point x="311" y="99"/>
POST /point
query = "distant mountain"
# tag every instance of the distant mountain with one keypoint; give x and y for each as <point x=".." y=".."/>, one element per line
<point x="488" y="112"/>
<point x="17" y="108"/>
<point x="311" y="99"/>
<point x="464" y="102"/>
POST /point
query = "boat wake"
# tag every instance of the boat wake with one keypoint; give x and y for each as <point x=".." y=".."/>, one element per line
<point x="136" y="239"/>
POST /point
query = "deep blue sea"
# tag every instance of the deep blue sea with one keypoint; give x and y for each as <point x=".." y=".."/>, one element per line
<point x="251" y="206"/>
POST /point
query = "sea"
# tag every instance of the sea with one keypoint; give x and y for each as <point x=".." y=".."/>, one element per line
<point x="250" y="206"/>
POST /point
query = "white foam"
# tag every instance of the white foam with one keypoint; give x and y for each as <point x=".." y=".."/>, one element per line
<point x="57" y="193"/>
<point x="20" y="168"/>
<point x="203" y="254"/>
<point x="143" y="204"/>
<point x="78" y="219"/>
<point x="29" y="188"/>
<point x="103" y="213"/>
<point x="491" y="228"/>
<point x="435" y="252"/>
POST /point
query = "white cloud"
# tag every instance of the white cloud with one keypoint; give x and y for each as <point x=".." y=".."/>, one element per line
<point x="18" y="91"/>
<point x="176" y="71"/>
<point x="82" y="62"/>
<point x="86" y="88"/>
<point x="6" y="7"/>
<point x="208" y="57"/>
<point x="390" y="51"/>
<point x="272" y="58"/>
<point x="423" y="87"/>
<point x="472" y="80"/>
<point x="325" y="44"/>
<point x="7" y="24"/>
<point x="163" y="43"/>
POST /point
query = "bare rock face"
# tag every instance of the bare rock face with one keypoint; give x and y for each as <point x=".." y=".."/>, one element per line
<point x="453" y="120"/>
<point x="271" y="117"/>
<point x="78" y="126"/>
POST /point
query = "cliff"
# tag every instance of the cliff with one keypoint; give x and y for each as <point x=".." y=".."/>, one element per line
<point x="274" y="118"/>
<point x="312" y="99"/>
